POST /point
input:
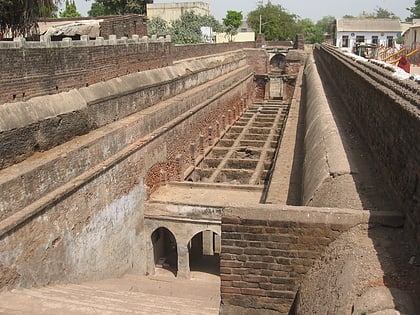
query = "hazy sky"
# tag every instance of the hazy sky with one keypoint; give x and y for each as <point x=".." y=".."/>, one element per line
<point x="313" y="9"/>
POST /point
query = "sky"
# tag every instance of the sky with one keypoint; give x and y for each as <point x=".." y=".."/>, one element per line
<point x="312" y="9"/>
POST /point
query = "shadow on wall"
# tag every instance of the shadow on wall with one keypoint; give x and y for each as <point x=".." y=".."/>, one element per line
<point x="371" y="267"/>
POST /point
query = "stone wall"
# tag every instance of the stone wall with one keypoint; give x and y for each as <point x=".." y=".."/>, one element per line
<point x="124" y="26"/>
<point x="69" y="211"/>
<point x="389" y="122"/>
<point x="39" y="68"/>
<point x="44" y="122"/>
<point x="180" y="52"/>
<point x="325" y="157"/>
<point x="268" y="249"/>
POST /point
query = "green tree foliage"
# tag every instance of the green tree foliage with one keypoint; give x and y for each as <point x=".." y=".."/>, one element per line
<point x="310" y="32"/>
<point x="381" y="13"/>
<point x="232" y="21"/>
<point x="276" y="23"/>
<point x="186" y="29"/>
<point x="70" y="10"/>
<point x="119" y="7"/>
<point x="97" y="9"/>
<point x="21" y="17"/>
<point x="157" y="26"/>
<point x="326" y="24"/>
<point x="414" y="11"/>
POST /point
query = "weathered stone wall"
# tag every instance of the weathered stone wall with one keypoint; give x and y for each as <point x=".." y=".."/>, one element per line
<point x="68" y="212"/>
<point x="124" y="25"/>
<point x="180" y="52"/>
<point x="268" y="249"/>
<point x="44" y="122"/>
<point x="389" y="123"/>
<point x="325" y="157"/>
<point x="39" y="68"/>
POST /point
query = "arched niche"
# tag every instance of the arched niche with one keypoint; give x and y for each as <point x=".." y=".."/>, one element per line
<point x="204" y="252"/>
<point x="165" y="253"/>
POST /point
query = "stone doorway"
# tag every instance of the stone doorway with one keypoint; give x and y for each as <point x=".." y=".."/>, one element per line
<point x="165" y="253"/>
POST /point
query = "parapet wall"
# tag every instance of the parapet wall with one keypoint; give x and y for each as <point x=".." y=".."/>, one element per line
<point x="325" y="157"/>
<point x="387" y="111"/>
<point x="31" y="69"/>
<point x="180" y="52"/>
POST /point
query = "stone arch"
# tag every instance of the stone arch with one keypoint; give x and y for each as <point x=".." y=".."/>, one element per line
<point x="204" y="251"/>
<point x="278" y="63"/>
<point x="165" y="254"/>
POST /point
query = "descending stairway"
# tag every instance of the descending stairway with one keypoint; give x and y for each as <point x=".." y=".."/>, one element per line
<point x="127" y="295"/>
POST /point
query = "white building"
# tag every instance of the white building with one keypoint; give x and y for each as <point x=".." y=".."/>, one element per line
<point x="373" y="31"/>
<point x="173" y="11"/>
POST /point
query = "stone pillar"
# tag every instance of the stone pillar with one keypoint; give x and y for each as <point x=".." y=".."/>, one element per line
<point x="192" y="153"/>
<point x="217" y="129"/>
<point x="201" y="144"/>
<point x="178" y="166"/>
<point x="208" y="243"/>
<point x="183" y="261"/>
<point x="210" y="136"/>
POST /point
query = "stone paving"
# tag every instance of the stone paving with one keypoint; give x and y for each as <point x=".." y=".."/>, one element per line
<point x="131" y="294"/>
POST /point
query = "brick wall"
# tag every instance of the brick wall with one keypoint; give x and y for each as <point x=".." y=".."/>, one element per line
<point x="390" y="125"/>
<point x="180" y="52"/>
<point x="124" y="25"/>
<point x="71" y="207"/>
<point x="33" y="70"/>
<point x="267" y="250"/>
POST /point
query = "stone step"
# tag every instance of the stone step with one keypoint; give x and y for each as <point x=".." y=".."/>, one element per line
<point x="127" y="295"/>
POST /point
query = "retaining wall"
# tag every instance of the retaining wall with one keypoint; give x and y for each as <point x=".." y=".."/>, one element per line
<point x="69" y="211"/>
<point x="268" y="249"/>
<point x="325" y="158"/>
<point x="390" y="124"/>
<point x="44" y="122"/>
<point x="38" y="68"/>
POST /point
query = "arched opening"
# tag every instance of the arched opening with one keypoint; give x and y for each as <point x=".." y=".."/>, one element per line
<point x="165" y="253"/>
<point x="204" y="252"/>
<point x="278" y="64"/>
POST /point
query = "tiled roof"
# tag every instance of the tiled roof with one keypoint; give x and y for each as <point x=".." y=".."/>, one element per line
<point x="368" y="25"/>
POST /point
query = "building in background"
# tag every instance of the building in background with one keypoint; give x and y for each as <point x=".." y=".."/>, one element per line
<point x="351" y="31"/>
<point x="245" y="34"/>
<point x="173" y="11"/>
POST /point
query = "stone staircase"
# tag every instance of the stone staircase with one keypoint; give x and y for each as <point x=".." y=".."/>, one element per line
<point x="159" y="294"/>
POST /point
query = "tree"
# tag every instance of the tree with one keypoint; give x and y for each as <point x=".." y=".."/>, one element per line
<point x="187" y="29"/>
<point x="119" y="7"/>
<point x="381" y="13"/>
<point x="415" y="11"/>
<point x="97" y="9"/>
<point x="274" y="21"/>
<point x="326" y="24"/>
<point x="21" y="17"/>
<point x="232" y="21"/>
<point x="157" y="26"/>
<point x="311" y="33"/>
<point x="70" y="10"/>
